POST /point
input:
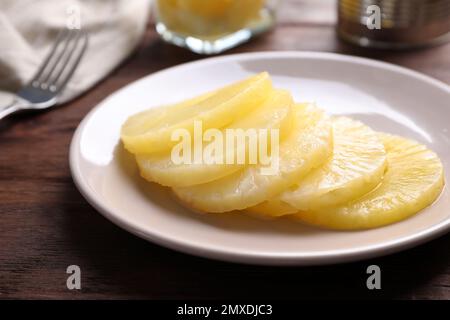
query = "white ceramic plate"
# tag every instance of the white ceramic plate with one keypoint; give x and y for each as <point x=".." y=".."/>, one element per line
<point x="387" y="97"/>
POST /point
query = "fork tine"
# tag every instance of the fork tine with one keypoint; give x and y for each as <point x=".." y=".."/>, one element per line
<point x="55" y="62"/>
<point x="72" y="64"/>
<point x="63" y="61"/>
<point x="61" y="35"/>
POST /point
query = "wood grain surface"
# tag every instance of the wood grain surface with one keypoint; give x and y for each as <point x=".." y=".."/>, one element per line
<point x="46" y="225"/>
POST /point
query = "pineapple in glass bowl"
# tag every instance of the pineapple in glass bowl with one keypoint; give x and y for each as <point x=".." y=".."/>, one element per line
<point x="213" y="26"/>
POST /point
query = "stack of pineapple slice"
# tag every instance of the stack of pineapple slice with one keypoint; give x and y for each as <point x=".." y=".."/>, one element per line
<point x="333" y="172"/>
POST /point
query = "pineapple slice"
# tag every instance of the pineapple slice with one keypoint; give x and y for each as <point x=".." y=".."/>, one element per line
<point x="271" y="209"/>
<point x="275" y="113"/>
<point x="150" y="131"/>
<point x="307" y="146"/>
<point x="356" y="167"/>
<point x="413" y="181"/>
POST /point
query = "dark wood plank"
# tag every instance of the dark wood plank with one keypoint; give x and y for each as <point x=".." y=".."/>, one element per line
<point x="46" y="225"/>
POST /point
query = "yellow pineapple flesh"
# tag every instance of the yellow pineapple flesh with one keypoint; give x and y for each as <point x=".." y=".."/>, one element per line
<point x="306" y="147"/>
<point x="151" y="131"/>
<point x="356" y="167"/>
<point x="413" y="180"/>
<point x="274" y="114"/>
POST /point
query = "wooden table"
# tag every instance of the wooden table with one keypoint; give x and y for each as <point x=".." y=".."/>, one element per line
<point x="46" y="224"/>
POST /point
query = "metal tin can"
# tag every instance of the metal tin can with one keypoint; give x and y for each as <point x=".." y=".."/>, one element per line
<point x="401" y="24"/>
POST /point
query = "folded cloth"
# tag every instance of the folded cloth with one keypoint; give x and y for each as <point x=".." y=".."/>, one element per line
<point x="28" y="28"/>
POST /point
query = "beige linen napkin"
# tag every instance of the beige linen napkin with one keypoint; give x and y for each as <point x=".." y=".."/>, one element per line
<point x="28" y="28"/>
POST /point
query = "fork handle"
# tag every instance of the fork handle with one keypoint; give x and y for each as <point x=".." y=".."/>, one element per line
<point x="15" y="105"/>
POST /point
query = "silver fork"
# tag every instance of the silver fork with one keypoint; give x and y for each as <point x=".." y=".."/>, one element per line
<point x="46" y="86"/>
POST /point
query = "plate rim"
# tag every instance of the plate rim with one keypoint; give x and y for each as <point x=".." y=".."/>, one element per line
<point x="222" y="254"/>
